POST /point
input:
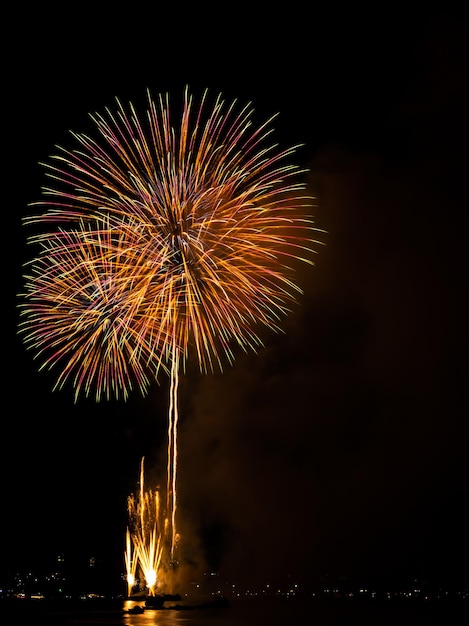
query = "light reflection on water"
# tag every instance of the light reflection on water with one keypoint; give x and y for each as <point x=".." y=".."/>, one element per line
<point x="299" y="614"/>
<point x="149" y="616"/>
<point x="168" y="617"/>
<point x="244" y="613"/>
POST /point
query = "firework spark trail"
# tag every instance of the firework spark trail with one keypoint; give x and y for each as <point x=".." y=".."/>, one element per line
<point x="146" y="536"/>
<point x="131" y="562"/>
<point x="171" y="502"/>
<point x="159" y="242"/>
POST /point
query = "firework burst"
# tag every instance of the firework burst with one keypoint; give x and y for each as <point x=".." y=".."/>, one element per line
<point x="185" y="237"/>
<point x="80" y="313"/>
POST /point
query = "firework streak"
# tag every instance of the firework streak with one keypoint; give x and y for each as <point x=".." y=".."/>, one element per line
<point x="145" y="538"/>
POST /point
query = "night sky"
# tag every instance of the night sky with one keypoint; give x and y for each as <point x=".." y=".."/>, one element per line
<point x="342" y="446"/>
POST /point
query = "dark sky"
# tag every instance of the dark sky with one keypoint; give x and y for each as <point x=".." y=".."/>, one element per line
<point x="342" y="447"/>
